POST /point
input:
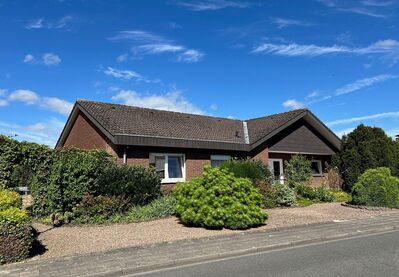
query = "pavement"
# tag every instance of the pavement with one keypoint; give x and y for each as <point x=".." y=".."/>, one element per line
<point x="137" y="260"/>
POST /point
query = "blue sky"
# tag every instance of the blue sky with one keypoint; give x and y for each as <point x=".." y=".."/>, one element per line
<point x="229" y="58"/>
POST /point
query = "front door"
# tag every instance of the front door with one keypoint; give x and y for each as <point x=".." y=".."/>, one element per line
<point x="276" y="168"/>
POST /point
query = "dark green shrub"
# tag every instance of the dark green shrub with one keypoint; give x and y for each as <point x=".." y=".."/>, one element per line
<point x="219" y="199"/>
<point x="255" y="170"/>
<point x="15" y="235"/>
<point x="103" y="206"/>
<point x="61" y="182"/>
<point x="298" y="170"/>
<point x="139" y="183"/>
<point x="9" y="199"/>
<point x="376" y="187"/>
<point x="366" y="148"/>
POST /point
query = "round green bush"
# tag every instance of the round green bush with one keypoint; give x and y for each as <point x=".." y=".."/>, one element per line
<point x="219" y="199"/>
<point x="377" y="187"/>
<point x="9" y="199"/>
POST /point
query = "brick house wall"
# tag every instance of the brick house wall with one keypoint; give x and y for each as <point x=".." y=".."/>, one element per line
<point x="85" y="135"/>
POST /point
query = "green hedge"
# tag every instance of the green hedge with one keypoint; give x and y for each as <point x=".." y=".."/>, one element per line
<point x="377" y="187"/>
<point x="62" y="180"/>
<point x="15" y="235"/>
<point x="19" y="161"/>
<point x="255" y="170"/>
<point x="319" y="194"/>
<point x="9" y="199"/>
<point x="219" y="199"/>
<point x="139" y="183"/>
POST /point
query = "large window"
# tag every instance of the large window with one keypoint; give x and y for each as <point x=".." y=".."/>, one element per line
<point x="170" y="167"/>
<point x="218" y="160"/>
<point x="317" y="168"/>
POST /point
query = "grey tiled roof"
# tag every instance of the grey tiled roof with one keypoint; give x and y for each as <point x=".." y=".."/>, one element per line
<point x="135" y="121"/>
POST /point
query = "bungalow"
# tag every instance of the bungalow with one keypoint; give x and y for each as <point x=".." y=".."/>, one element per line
<point x="180" y="144"/>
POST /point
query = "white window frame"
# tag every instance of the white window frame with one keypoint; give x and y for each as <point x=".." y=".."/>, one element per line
<point x="271" y="168"/>
<point x="320" y="166"/>
<point x="166" y="167"/>
<point x="220" y="158"/>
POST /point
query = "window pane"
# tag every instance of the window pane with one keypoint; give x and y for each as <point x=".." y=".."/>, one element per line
<point x="276" y="169"/>
<point x="160" y="166"/>
<point x="316" y="168"/>
<point x="217" y="163"/>
<point x="175" y="167"/>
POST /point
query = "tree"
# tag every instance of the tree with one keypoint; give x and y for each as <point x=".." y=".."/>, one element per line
<point x="365" y="148"/>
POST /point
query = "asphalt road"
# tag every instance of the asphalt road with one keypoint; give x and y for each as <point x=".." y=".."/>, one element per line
<point x="373" y="255"/>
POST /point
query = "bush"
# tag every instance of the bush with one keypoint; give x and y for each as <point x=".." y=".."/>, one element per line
<point x="159" y="208"/>
<point x="255" y="170"/>
<point x="317" y="194"/>
<point x="219" y="199"/>
<point x="341" y="196"/>
<point x="298" y="170"/>
<point x="279" y="195"/>
<point x="15" y="235"/>
<point x="9" y="199"/>
<point x="376" y="187"/>
<point x="103" y="206"/>
<point x="140" y="184"/>
<point x="61" y="182"/>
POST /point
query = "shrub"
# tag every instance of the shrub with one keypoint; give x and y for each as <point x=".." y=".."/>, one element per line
<point x="219" y="199"/>
<point x="376" y="187"/>
<point x="15" y="235"/>
<point x="9" y="199"/>
<point x="61" y="182"/>
<point x="279" y="195"/>
<point x="317" y="194"/>
<point x="103" y="206"/>
<point x="140" y="184"/>
<point x="159" y="208"/>
<point x="255" y="170"/>
<point x="298" y="170"/>
<point x="341" y="196"/>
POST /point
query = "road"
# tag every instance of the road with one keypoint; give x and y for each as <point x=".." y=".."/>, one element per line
<point x="372" y="255"/>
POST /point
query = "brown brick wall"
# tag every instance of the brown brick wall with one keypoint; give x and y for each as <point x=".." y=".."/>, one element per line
<point x="261" y="153"/>
<point x="85" y="135"/>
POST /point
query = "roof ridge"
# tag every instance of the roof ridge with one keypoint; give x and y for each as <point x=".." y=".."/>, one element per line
<point x="158" y="110"/>
<point x="276" y="114"/>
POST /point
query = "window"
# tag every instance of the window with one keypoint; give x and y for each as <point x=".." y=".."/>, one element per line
<point x="317" y="168"/>
<point x="218" y="160"/>
<point x="170" y="167"/>
<point x="276" y="168"/>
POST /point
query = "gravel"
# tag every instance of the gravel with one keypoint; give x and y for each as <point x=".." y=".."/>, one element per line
<point x="70" y="240"/>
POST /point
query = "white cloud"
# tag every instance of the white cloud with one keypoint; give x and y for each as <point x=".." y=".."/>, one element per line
<point x="48" y="59"/>
<point x="23" y="95"/>
<point x="138" y="36"/>
<point x="122" y="58"/>
<point x="211" y="5"/>
<point x="3" y="103"/>
<point x="146" y="43"/>
<point x="313" y="94"/>
<point x="51" y="59"/>
<point x="190" y="56"/>
<point x="388" y="46"/>
<point x="377" y="3"/>
<point x="371" y="8"/>
<point x="29" y="58"/>
<point x="29" y="97"/>
<point x="41" y="23"/>
<point x="214" y="107"/>
<point x="170" y="101"/>
<point x="293" y="104"/>
<point x="157" y="48"/>
<point x="127" y="75"/>
<point x="364" y="118"/>
<point x="57" y="105"/>
<point x="286" y="22"/>
<point x="359" y="84"/>
<point x="36" y="127"/>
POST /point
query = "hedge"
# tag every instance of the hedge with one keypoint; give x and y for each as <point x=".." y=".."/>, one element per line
<point x="62" y="180"/>
<point x="15" y="229"/>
